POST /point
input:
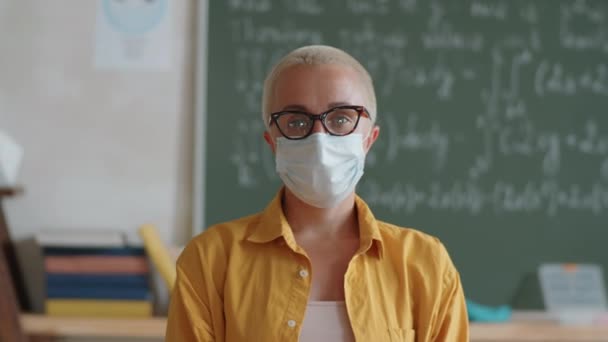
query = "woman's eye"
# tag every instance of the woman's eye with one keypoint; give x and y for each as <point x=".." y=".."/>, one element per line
<point x="343" y="120"/>
<point x="295" y="124"/>
<point x="340" y="120"/>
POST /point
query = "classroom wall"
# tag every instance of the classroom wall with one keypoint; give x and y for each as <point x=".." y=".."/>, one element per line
<point x="103" y="148"/>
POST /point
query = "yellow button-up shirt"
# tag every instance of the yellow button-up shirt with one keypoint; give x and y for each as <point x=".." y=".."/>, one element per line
<point x="242" y="281"/>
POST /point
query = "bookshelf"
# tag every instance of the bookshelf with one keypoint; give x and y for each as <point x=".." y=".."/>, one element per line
<point x="10" y="327"/>
<point x="523" y="328"/>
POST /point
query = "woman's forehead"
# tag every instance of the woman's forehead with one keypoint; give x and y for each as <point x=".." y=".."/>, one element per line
<point x="317" y="86"/>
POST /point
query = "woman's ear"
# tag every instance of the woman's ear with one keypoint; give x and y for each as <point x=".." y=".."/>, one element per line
<point x="373" y="135"/>
<point x="270" y="141"/>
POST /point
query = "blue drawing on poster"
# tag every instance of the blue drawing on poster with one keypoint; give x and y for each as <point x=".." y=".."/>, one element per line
<point x="134" y="16"/>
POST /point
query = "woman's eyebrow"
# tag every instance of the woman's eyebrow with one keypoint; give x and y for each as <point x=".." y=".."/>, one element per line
<point x="296" y="107"/>
<point x="302" y="108"/>
<point x="338" y="104"/>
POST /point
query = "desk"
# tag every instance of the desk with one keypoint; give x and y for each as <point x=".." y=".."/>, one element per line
<point x="515" y="331"/>
<point x="535" y="331"/>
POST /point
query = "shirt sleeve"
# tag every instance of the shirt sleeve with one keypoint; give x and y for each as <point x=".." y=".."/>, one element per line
<point x="452" y="320"/>
<point x="194" y="303"/>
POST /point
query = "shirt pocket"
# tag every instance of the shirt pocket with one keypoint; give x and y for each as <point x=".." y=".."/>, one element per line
<point x="402" y="335"/>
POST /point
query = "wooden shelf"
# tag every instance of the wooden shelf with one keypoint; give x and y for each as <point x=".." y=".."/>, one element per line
<point x="12" y="191"/>
<point x="42" y="325"/>
<point x="516" y="331"/>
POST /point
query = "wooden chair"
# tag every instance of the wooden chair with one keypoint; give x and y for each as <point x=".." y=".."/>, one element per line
<point x="10" y="323"/>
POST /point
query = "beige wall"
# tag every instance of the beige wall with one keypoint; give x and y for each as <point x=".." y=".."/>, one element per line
<point x="103" y="149"/>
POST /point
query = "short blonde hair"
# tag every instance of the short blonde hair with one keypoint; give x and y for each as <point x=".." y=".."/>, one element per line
<point x="317" y="55"/>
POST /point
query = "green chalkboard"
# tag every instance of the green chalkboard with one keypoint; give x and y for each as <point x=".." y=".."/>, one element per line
<point x="493" y="117"/>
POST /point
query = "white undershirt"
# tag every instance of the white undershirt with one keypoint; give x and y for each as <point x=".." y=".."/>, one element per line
<point x="326" y="321"/>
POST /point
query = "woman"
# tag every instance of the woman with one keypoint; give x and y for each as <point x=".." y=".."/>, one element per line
<point x="316" y="265"/>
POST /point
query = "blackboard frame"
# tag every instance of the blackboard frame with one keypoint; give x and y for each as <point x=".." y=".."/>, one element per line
<point x="200" y="118"/>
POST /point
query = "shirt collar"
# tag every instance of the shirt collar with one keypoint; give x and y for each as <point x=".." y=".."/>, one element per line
<point x="272" y="224"/>
<point x="369" y="233"/>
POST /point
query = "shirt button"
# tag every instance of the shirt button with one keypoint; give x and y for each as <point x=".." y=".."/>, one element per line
<point x="303" y="273"/>
<point x="291" y="323"/>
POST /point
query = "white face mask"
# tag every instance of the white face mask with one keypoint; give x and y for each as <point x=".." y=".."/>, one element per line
<point x="322" y="169"/>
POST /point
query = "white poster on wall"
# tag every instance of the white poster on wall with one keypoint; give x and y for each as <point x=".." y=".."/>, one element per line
<point x="133" y="35"/>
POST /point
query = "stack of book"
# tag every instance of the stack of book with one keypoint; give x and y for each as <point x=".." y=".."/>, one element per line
<point x="95" y="274"/>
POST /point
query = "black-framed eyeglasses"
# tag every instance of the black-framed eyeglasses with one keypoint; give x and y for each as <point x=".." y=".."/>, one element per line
<point x="340" y="121"/>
